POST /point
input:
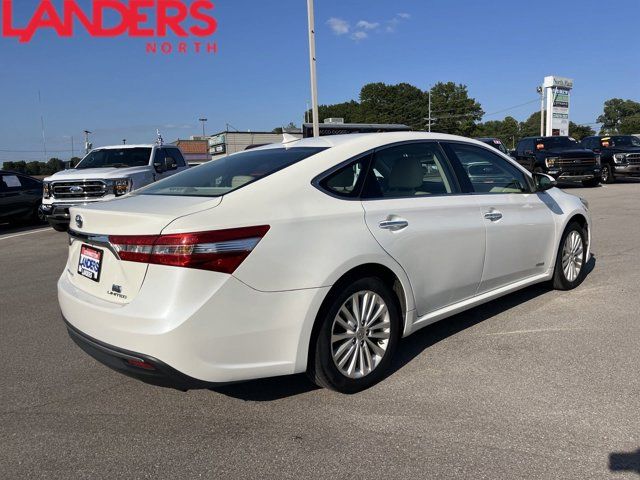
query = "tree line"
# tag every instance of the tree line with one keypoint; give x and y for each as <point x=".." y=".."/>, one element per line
<point x="39" y="168"/>
<point x="453" y="111"/>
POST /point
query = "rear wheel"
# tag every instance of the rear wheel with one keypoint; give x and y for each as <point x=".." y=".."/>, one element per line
<point x="571" y="259"/>
<point x="358" y="335"/>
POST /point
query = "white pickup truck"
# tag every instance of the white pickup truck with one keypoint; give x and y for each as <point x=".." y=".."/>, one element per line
<point x="104" y="174"/>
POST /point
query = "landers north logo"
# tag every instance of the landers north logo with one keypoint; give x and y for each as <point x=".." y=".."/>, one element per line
<point x="192" y="22"/>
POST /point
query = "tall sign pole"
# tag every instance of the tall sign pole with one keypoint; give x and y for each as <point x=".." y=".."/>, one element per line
<point x="557" y="93"/>
<point x="312" y="62"/>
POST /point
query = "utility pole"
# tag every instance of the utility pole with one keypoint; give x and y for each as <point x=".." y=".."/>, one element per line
<point x="203" y="120"/>
<point x="124" y="141"/>
<point x="312" y="66"/>
<point x="44" y="138"/>
<point x="429" y="119"/>
<point x="87" y="145"/>
<point x="540" y="90"/>
<point x="73" y="153"/>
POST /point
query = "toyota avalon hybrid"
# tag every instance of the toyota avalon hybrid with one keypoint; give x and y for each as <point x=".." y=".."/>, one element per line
<point x="316" y="255"/>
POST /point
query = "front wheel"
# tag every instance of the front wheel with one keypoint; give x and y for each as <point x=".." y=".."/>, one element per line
<point x="359" y="332"/>
<point x="607" y="174"/>
<point x="571" y="259"/>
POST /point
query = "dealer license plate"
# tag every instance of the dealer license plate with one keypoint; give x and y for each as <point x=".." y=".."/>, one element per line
<point x="90" y="262"/>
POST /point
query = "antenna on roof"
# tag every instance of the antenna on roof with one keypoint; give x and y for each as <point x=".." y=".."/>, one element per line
<point x="159" y="141"/>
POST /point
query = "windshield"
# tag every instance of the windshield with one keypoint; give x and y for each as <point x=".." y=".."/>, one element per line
<point x="116" y="158"/>
<point x="218" y="177"/>
<point x="623" y="141"/>
<point x="558" y="142"/>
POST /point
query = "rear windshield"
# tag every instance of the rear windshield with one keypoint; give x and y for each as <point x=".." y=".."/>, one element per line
<point x="116" y="158"/>
<point x="219" y="177"/>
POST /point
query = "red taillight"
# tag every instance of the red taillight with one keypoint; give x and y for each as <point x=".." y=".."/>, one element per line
<point x="220" y="250"/>
<point x="140" y="364"/>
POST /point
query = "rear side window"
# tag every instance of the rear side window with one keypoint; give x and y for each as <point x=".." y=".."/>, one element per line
<point x="176" y="154"/>
<point x="408" y="170"/>
<point x="347" y="181"/>
<point x="488" y="172"/>
<point x="219" y="177"/>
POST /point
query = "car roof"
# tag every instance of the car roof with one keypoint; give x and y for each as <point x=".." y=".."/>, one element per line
<point x="371" y="139"/>
<point x="140" y="145"/>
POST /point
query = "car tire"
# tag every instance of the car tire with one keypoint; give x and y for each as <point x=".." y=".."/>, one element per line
<point x="572" y="254"/>
<point x="594" y="182"/>
<point x="607" y="174"/>
<point x="349" y="361"/>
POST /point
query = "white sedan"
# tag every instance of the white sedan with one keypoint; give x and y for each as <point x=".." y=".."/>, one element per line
<point x="314" y="256"/>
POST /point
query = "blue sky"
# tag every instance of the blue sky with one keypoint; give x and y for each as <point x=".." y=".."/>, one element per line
<point x="259" y="78"/>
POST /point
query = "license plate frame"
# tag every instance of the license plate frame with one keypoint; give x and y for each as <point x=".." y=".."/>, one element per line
<point x="89" y="256"/>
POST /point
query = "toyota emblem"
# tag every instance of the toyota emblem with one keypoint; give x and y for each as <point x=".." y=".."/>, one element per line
<point x="79" y="221"/>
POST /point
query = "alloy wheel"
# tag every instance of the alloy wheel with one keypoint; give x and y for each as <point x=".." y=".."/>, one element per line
<point x="572" y="256"/>
<point x="360" y="334"/>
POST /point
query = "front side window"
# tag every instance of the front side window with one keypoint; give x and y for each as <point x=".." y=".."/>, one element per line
<point x="219" y="177"/>
<point x="488" y="172"/>
<point x="116" y="158"/>
<point x="408" y="170"/>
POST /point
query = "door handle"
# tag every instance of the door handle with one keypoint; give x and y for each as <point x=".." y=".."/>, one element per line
<point x="493" y="216"/>
<point x="393" y="225"/>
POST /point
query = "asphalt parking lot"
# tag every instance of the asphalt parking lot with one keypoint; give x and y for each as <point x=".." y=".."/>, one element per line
<point x="539" y="384"/>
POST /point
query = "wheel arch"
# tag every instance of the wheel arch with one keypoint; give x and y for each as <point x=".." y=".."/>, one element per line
<point x="401" y="289"/>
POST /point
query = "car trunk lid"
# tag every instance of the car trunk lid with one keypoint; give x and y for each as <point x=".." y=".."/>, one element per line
<point x="94" y="265"/>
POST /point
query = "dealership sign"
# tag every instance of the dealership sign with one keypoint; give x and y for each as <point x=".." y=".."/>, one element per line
<point x="150" y="19"/>
<point x="557" y="91"/>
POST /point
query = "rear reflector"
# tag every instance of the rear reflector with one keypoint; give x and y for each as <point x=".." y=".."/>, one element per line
<point x="219" y="250"/>
<point x="140" y="364"/>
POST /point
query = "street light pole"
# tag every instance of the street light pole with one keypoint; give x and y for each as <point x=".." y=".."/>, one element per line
<point x="312" y="66"/>
<point x="87" y="145"/>
<point x="203" y="120"/>
<point x="540" y="90"/>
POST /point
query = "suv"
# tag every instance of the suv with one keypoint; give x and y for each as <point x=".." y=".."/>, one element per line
<point x="104" y="174"/>
<point x="620" y="155"/>
<point x="561" y="157"/>
<point x="20" y="197"/>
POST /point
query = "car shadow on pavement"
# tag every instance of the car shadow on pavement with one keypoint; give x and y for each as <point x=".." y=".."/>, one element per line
<point x="269" y="389"/>
<point x="625" y="462"/>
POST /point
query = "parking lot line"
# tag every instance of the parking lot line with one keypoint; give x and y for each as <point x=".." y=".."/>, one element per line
<point x="45" y="229"/>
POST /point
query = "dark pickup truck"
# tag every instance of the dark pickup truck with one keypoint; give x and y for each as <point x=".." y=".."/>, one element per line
<point x="619" y="155"/>
<point x="561" y="157"/>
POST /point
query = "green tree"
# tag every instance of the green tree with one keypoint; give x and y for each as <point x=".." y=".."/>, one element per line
<point x="508" y="130"/>
<point x="52" y="166"/>
<point x="74" y="161"/>
<point x="580" y="131"/>
<point x="401" y="103"/>
<point x="291" y="126"/>
<point x="616" y="110"/>
<point x="350" y="111"/>
<point x="456" y="113"/>
<point x="531" y="126"/>
<point x="630" y="125"/>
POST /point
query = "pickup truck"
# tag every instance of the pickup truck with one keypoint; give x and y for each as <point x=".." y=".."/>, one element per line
<point x="561" y="157"/>
<point x="620" y="155"/>
<point x="104" y="174"/>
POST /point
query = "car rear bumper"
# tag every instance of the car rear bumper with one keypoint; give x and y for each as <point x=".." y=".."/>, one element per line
<point x="137" y="365"/>
<point x="204" y="326"/>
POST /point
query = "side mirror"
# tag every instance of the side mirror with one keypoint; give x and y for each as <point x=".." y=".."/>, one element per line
<point x="544" y="181"/>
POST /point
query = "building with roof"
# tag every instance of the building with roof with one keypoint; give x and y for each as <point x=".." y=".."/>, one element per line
<point x="227" y="142"/>
<point x="195" y="150"/>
